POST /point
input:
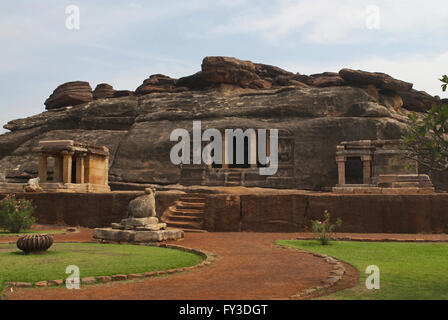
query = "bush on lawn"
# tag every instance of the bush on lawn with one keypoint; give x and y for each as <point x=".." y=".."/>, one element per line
<point x="322" y="230"/>
<point x="16" y="214"/>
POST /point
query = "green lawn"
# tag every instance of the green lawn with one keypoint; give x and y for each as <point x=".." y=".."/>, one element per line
<point x="4" y="233"/>
<point x="91" y="258"/>
<point x="407" y="270"/>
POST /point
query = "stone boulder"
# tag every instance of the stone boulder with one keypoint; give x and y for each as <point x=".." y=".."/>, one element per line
<point x="326" y="79"/>
<point x="379" y="80"/>
<point x="103" y="91"/>
<point x="194" y="82"/>
<point x="69" y="94"/>
<point x="229" y="70"/>
<point x="391" y="100"/>
<point x="123" y="93"/>
<point x="270" y="73"/>
<point x="156" y="83"/>
<point x="372" y="91"/>
<point x="418" y="101"/>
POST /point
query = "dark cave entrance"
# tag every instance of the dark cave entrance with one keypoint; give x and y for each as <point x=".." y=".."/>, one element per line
<point x="354" y="171"/>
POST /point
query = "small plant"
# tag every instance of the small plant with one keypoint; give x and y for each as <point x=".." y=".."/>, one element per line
<point x="16" y="214"/>
<point x="322" y="230"/>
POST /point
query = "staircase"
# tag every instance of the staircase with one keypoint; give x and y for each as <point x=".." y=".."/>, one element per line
<point x="187" y="213"/>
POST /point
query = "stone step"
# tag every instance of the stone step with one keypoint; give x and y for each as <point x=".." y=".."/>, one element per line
<point x="193" y="195"/>
<point x="184" y="225"/>
<point x="190" y="205"/>
<point x="189" y="211"/>
<point x="179" y="218"/>
<point x="192" y="199"/>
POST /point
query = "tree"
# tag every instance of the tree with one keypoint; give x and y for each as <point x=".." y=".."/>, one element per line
<point x="426" y="139"/>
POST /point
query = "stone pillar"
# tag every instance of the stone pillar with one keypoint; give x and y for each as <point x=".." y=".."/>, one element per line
<point x="42" y="170"/>
<point x="67" y="167"/>
<point x="87" y="166"/>
<point x="80" y="169"/>
<point x="106" y="171"/>
<point x="57" y="171"/>
<point x="367" y="165"/>
<point x="341" y="170"/>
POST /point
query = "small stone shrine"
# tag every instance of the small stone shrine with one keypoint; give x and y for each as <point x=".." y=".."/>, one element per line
<point x="141" y="224"/>
<point x="75" y="166"/>
<point x="378" y="166"/>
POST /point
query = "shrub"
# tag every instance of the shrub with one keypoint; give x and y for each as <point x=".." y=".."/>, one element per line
<point x="323" y="229"/>
<point x="16" y="214"/>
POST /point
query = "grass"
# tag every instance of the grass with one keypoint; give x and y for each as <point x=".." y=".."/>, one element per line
<point x="408" y="271"/>
<point x="91" y="258"/>
<point x="4" y="233"/>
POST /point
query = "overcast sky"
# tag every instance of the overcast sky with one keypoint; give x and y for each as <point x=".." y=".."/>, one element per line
<point x="122" y="43"/>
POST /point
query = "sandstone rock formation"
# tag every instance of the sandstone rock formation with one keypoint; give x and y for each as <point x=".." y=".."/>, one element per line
<point x="229" y="70"/>
<point x="103" y="90"/>
<point x="418" y="101"/>
<point x="69" y="94"/>
<point x="380" y="80"/>
<point x="156" y="83"/>
<point x="313" y="113"/>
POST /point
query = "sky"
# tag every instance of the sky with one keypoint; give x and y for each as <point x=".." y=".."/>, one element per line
<point x="44" y="44"/>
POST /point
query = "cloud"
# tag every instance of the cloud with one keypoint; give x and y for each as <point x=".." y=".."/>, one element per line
<point x="336" y="22"/>
<point x="37" y="26"/>
<point x="421" y="70"/>
<point x="122" y="43"/>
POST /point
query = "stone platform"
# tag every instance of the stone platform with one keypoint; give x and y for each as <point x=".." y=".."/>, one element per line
<point x="391" y="184"/>
<point x="6" y="187"/>
<point x="132" y="236"/>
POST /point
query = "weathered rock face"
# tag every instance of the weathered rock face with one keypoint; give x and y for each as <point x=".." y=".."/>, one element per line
<point x="312" y="116"/>
<point x="156" y="83"/>
<point x="229" y="70"/>
<point x="70" y="94"/>
<point x="103" y="90"/>
<point x="326" y="79"/>
<point x="380" y="80"/>
<point x="418" y="101"/>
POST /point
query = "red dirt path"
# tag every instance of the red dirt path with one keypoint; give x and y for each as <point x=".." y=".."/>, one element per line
<point x="249" y="266"/>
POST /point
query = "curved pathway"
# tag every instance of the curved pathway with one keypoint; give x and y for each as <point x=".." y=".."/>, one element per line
<point x="249" y="266"/>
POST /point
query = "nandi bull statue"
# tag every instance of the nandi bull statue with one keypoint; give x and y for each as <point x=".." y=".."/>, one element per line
<point x="32" y="185"/>
<point x="141" y="224"/>
<point x="142" y="214"/>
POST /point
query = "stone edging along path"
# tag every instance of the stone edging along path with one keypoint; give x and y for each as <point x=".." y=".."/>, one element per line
<point x="209" y="258"/>
<point x="421" y="238"/>
<point x="335" y="276"/>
